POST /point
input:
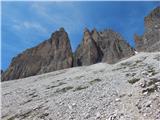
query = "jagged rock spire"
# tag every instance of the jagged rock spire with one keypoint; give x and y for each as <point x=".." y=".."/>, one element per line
<point x="50" y="55"/>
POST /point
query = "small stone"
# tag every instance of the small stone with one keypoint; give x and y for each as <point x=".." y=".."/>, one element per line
<point x="61" y="103"/>
<point x="117" y="99"/>
<point x="129" y="95"/>
<point x="112" y="117"/>
<point x="87" y="116"/>
<point x="144" y="73"/>
<point x="157" y="83"/>
<point x="145" y="93"/>
<point x="144" y="114"/>
<point x="133" y="74"/>
<point x="143" y="83"/>
<point x="70" y="107"/>
<point x="122" y="95"/>
<point x="150" y="75"/>
<point x="98" y="115"/>
<point x="74" y="104"/>
<point x="148" y="104"/>
<point x="70" y="117"/>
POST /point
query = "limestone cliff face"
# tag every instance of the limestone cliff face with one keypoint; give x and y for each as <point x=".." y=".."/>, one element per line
<point x="113" y="46"/>
<point x="50" y="55"/>
<point x="105" y="46"/>
<point x="87" y="52"/>
<point x="150" y="40"/>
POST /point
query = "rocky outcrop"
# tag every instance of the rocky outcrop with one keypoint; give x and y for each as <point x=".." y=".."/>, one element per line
<point x="113" y="46"/>
<point x="87" y="52"/>
<point x="106" y="46"/>
<point x="50" y="55"/>
<point x="150" y="40"/>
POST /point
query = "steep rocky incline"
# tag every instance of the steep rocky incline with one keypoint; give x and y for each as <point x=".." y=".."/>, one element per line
<point x="105" y="46"/>
<point x="150" y="40"/>
<point x="50" y="55"/>
<point x="127" y="90"/>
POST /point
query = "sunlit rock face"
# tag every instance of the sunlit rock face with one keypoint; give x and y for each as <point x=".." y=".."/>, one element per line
<point x="150" y="40"/>
<point x="50" y="55"/>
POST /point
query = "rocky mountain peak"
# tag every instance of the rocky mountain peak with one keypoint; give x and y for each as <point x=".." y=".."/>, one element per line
<point x="150" y="40"/>
<point x="153" y="19"/>
<point x="86" y="30"/>
<point x="87" y="35"/>
<point x="87" y="52"/>
<point x="95" y="34"/>
<point x="50" y="55"/>
<point x="155" y="13"/>
<point x="61" y="29"/>
<point x="94" y="30"/>
<point x="107" y="46"/>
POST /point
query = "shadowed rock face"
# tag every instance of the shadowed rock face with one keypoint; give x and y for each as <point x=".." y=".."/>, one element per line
<point x="50" y="55"/>
<point x="150" y="40"/>
<point x="106" y="46"/>
<point x="87" y="52"/>
<point x="113" y="46"/>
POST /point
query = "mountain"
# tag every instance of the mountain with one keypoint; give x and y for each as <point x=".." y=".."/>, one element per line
<point x="55" y="53"/>
<point x="96" y="46"/>
<point x="127" y="90"/>
<point x="52" y="54"/>
<point x="150" y="40"/>
<point x="105" y="46"/>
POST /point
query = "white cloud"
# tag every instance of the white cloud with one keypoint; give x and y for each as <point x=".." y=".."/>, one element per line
<point x="21" y="25"/>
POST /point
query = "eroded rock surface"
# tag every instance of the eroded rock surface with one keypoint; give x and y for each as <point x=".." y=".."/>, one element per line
<point x="87" y="52"/>
<point x="50" y="55"/>
<point x="150" y="40"/>
<point x="105" y="46"/>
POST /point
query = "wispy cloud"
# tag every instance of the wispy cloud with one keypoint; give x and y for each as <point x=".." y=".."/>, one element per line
<point x="58" y="16"/>
<point x="27" y="25"/>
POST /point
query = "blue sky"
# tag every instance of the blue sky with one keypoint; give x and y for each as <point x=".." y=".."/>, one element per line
<point x="26" y="24"/>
